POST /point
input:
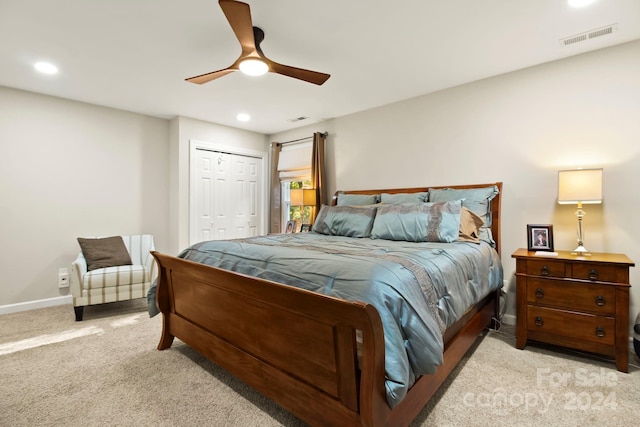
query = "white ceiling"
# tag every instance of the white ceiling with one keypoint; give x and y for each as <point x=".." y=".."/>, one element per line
<point x="135" y="54"/>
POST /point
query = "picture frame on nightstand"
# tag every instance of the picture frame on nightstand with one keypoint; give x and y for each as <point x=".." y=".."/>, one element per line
<point x="291" y="227"/>
<point x="305" y="228"/>
<point x="540" y="237"/>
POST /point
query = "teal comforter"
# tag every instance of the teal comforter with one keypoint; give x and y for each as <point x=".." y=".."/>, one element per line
<point x="419" y="289"/>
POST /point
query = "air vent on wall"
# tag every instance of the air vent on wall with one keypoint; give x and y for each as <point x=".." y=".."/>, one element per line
<point x="588" y="35"/>
<point x="298" y="119"/>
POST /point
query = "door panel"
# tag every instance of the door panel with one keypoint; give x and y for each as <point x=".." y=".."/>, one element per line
<point x="204" y="176"/>
<point x="229" y="196"/>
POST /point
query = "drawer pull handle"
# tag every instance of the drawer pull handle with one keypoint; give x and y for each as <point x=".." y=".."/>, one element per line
<point x="539" y="293"/>
<point x="600" y="301"/>
<point x="600" y="332"/>
<point x="593" y="274"/>
<point x="544" y="271"/>
<point x="540" y="322"/>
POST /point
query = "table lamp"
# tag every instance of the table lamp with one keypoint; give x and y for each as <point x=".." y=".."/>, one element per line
<point x="580" y="186"/>
<point x="302" y="197"/>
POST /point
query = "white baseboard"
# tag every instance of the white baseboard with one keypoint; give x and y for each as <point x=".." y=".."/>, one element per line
<point x="32" y="305"/>
<point x="509" y="319"/>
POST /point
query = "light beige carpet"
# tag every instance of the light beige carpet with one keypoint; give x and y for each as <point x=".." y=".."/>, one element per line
<point x="105" y="371"/>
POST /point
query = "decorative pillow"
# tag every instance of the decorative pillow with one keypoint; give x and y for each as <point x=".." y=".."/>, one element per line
<point x="485" y="235"/>
<point x="357" y="199"/>
<point x="397" y="198"/>
<point x="418" y="222"/>
<point x="104" y="252"/>
<point x="470" y="224"/>
<point x="477" y="200"/>
<point x="349" y="221"/>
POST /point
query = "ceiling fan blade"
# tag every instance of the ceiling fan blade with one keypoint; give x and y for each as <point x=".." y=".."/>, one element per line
<point x="204" y="78"/>
<point x="299" y="73"/>
<point x="239" y="16"/>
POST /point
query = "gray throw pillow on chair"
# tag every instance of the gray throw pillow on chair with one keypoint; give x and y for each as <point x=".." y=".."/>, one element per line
<point x="104" y="252"/>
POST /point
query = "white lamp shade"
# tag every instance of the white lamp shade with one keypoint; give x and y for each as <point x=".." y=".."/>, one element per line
<point x="296" y="197"/>
<point x="580" y="186"/>
<point x="303" y="197"/>
<point x="309" y="197"/>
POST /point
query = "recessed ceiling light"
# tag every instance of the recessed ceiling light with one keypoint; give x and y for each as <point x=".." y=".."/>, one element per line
<point x="254" y="67"/>
<point x="243" y="117"/>
<point x="580" y="3"/>
<point x="46" y="67"/>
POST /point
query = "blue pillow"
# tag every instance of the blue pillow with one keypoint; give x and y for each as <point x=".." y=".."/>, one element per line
<point x="357" y="199"/>
<point x="349" y="221"/>
<point x="476" y="199"/>
<point x="396" y="198"/>
<point x="418" y="222"/>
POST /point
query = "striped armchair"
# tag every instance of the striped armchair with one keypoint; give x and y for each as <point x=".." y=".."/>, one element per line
<point x="111" y="284"/>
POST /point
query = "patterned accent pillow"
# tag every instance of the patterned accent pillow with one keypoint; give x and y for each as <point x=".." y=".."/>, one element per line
<point x="418" y="222"/>
<point x="357" y="199"/>
<point x="396" y="198"/>
<point x="349" y="221"/>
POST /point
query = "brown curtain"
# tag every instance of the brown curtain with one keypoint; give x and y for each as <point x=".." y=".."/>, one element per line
<point x="318" y="172"/>
<point x="275" y="210"/>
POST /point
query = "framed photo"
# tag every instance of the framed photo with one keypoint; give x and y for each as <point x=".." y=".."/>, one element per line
<point x="304" y="228"/>
<point x="291" y="227"/>
<point x="540" y="237"/>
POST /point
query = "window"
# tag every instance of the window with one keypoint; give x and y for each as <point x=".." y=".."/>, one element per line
<point x="294" y="171"/>
<point x="300" y="214"/>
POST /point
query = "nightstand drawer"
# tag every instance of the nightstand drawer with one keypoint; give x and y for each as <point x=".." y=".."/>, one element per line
<point x="592" y="298"/>
<point x="601" y="273"/>
<point x="598" y="329"/>
<point x="546" y="268"/>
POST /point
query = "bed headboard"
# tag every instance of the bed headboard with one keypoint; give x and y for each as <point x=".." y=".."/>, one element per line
<point x="495" y="203"/>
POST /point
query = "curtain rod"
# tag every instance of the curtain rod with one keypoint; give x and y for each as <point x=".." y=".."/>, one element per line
<point x="302" y="139"/>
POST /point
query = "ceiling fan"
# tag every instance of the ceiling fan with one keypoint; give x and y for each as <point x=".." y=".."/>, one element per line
<point x="252" y="61"/>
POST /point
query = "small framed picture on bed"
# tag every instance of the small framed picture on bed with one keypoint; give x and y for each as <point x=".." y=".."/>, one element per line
<point x="291" y="227"/>
<point x="305" y="228"/>
<point x="540" y="237"/>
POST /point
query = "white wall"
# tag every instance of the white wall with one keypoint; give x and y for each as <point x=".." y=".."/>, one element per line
<point x="183" y="130"/>
<point x="519" y="128"/>
<point x="67" y="170"/>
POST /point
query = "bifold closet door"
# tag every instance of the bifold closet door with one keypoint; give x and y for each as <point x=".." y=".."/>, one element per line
<point x="227" y="195"/>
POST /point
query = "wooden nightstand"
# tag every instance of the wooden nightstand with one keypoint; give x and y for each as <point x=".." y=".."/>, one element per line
<point x="574" y="301"/>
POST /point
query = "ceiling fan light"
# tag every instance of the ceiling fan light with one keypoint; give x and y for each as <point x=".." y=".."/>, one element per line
<point x="254" y="67"/>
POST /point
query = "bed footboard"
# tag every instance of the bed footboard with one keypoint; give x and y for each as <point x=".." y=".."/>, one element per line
<point x="298" y="347"/>
<point x="294" y="346"/>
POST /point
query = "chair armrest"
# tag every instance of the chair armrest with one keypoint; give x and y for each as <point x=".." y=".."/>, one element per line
<point x="150" y="262"/>
<point x="78" y="270"/>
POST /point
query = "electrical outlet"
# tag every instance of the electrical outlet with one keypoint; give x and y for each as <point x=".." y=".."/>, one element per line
<point x="63" y="278"/>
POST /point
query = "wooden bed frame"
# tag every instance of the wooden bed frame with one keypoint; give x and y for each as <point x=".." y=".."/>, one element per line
<point x="299" y="347"/>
